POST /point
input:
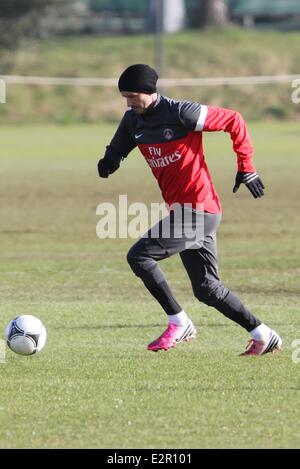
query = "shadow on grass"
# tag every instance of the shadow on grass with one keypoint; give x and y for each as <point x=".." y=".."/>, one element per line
<point x="149" y="326"/>
<point x="133" y="326"/>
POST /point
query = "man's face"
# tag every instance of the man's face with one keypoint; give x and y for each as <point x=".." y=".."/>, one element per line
<point x="139" y="102"/>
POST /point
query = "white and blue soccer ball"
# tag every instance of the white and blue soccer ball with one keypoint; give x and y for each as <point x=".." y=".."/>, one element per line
<point x="26" y="335"/>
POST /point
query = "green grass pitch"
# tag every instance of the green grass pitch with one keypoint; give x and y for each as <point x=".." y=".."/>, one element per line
<point x="95" y="384"/>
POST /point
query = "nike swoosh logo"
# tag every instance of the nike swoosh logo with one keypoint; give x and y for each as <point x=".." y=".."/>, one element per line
<point x="138" y="135"/>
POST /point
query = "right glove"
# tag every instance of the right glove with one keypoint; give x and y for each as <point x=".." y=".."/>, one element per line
<point x="252" y="182"/>
<point x="104" y="168"/>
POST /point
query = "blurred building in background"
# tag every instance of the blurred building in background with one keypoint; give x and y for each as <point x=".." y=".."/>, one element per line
<point x="60" y="58"/>
<point x="279" y="14"/>
<point x="140" y="16"/>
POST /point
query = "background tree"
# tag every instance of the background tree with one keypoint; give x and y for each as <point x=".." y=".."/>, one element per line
<point x="203" y="13"/>
<point x="20" y="19"/>
<point x="215" y="12"/>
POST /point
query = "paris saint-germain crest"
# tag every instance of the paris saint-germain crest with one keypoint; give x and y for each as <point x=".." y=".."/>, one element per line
<point x="168" y="134"/>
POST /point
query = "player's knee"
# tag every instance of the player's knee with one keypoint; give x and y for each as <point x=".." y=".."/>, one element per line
<point x="133" y="257"/>
<point x="208" y="294"/>
<point x="138" y="262"/>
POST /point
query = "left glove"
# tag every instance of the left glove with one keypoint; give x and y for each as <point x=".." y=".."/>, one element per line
<point x="252" y="181"/>
<point x="104" y="168"/>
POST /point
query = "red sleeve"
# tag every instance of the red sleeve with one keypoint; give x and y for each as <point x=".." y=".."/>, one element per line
<point x="230" y="121"/>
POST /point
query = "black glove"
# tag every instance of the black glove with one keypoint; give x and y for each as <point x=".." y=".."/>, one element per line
<point x="252" y="181"/>
<point x="104" y="168"/>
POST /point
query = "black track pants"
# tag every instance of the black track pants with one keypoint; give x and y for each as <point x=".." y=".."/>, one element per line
<point x="199" y="257"/>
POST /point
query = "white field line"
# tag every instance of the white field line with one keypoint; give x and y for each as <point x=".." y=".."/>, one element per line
<point x="212" y="81"/>
<point x="2" y="91"/>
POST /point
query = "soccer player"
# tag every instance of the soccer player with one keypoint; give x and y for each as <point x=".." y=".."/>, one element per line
<point x="169" y="135"/>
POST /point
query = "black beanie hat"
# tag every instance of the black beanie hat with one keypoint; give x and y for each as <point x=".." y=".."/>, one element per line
<point x="138" y="78"/>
